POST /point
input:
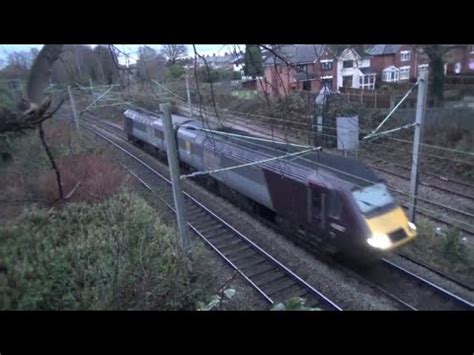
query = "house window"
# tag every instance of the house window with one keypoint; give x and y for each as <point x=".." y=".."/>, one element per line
<point x="404" y="73"/>
<point x="405" y="56"/>
<point x="307" y="85"/>
<point x="347" y="81"/>
<point x="326" y="83"/>
<point x="367" y="82"/>
<point x="422" y="67"/>
<point x="390" y="74"/>
<point x="348" y="64"/>
<point x="302" y="67"/>
<point x="326" y="65"/>
<point x="457" y="68"/>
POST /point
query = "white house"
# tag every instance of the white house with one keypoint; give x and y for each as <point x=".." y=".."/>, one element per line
<point x="354" y="71"/>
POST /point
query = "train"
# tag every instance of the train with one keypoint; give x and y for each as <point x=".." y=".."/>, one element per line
<point x="335" y="202"/>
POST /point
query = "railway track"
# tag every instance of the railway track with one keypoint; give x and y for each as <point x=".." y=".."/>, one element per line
<point x="270" y="278"/>
<point x="429" y="296"/>
<point x="423" y="183"/>
<point x="273" y="280"/>
<point x="437" y="272"/>
<point x="438" y="216"/>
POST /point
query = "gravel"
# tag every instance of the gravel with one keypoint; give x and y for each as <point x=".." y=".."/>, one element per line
<point x="433" y="277"/>
<point x="342" y="286"/>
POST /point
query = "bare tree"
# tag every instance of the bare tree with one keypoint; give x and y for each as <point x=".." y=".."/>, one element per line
<point x="174" y="51"/>
<point x="33" y="106"/>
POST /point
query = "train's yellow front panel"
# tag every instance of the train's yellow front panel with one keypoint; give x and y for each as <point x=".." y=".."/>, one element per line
<point x="384" y="226"/>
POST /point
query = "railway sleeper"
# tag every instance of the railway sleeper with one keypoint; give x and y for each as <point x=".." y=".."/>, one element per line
<point x="229" y="243"/>
<point x="232" y="252"/>
<point x="256" y="263"/>
<point x="245" y="263"/>
<point x="294" y="290"/>
<point x="271" y="277"/>
<point x="260" y="269"/>
<point x="203" y="222"/>
<point x="219" y="235"/>
<point x="244" y="255"/>
<point x="195" y="212"/>
<point x="281" y="289"/>
<point x="213" y="229"/>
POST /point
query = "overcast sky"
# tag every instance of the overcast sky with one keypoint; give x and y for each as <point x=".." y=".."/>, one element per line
<point x="131" y="49"/>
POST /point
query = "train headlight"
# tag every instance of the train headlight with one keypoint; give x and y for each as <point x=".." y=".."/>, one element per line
<point x="379" y="241"/>
<point x="412" y="226"/>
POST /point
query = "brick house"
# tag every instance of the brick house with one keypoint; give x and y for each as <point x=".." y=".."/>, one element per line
<point x="313" y="66"/>
<point x="397" y="63"/>
<point x="459" y="60"/>
<point x="469" y="60"/>
<point x="305" y="68"/>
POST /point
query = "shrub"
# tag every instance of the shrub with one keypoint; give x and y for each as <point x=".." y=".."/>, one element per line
<point x="452" y="245"/>
<point x="293" y="304"/>
<point x="112" y="255"/>
<point x="94" y="178"/>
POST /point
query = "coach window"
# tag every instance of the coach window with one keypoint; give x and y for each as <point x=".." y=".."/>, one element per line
<point x="316" y="200"/>
<point x="335" y="206"/>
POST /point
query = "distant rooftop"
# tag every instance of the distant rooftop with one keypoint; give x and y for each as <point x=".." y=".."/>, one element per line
<point x="383" y="49"/>
<point x="295" y="53"/>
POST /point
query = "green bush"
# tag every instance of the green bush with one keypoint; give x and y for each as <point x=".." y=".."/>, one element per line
<point x="112" y="255"/>
<point x="7" y="99"/>
<point x="452" y="245"/>
<point x="293" y="304"/>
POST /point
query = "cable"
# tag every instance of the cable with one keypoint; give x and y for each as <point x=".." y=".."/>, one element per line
<point x="363" y="179"/>
<point x="360" y="131"/>
<point x="198" y="173"/>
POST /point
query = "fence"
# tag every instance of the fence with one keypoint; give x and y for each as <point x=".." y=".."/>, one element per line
<point x="376" y="98"/>
<point x="459" y="80"/>
<point x="439" y="117"/>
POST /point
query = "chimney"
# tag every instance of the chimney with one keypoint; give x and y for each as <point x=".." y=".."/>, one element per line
<point x="213" y="54"/>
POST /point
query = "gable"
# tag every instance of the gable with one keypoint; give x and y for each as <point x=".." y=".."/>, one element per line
<point x="349" y="54"/>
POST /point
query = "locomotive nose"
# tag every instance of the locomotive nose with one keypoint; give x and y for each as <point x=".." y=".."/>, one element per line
<point x="390" y="230"/>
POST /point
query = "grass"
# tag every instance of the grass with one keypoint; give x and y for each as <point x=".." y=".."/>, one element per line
<point x="444" y="251"/>
<point x="112" y="255"/>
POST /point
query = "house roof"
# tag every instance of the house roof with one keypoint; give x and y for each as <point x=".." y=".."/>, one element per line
<point x="383" y="49"/>
<point x="296" y="53"/>
<point x="367" y="70"/>
<point x="221" y="60"/>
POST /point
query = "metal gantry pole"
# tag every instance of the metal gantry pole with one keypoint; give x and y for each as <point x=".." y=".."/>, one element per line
<point x="91" y="88"/>
<point x="173" y="163"/>
<point x="73" y="106"/>
<point x="189" y="97"/>
<point x="420" y="115"/>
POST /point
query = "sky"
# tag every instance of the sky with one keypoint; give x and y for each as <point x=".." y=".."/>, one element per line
<point x="131" y="49"/>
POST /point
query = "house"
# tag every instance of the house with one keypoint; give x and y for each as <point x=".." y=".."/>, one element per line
<point x="459" y="60"/>
<point x="228" y="61"/>
<point x="298" y="68"/>
<point x="469" y="60"/>
<point x="397" y="63"/>
<point x="355" y="71"/>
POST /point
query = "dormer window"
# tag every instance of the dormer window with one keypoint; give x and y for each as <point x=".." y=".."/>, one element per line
<point x="326" y="65"/>
<point x="348" y="64"/>
<point x="405" y="56"/>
